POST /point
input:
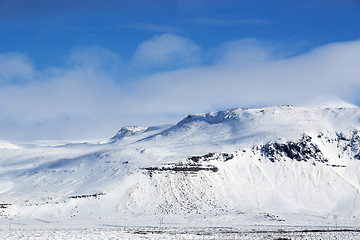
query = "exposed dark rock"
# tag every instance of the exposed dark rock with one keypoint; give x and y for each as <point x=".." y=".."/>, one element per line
<point x="272" y="217"/>
<point x="180" y="167"/>
<point x="348" y="145"/>
<point x="335" y="165"/>
<point x="87" y="195"/>
<point x="227" y="157"/>
<point x="206" y="157"/>
<point x="4" y="205"/>
<point x="302" y="150"/>
<point x="212" y="156"/>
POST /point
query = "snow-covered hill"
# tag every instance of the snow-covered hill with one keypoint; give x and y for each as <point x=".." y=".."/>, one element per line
<point x="260" y="164"/>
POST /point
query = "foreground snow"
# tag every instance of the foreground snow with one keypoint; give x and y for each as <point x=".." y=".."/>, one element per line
<point x="139" y="233"/>
<point x="120" y="232"/>
<point x="277" y="166"/>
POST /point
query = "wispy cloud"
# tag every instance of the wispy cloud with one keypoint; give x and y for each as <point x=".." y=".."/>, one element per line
<point x="153" y="27"/>
<point x="245" y="51"/>
<point x="96" y="57"/>
<point x="235" y="21"/>
<point x="86" y="100"/>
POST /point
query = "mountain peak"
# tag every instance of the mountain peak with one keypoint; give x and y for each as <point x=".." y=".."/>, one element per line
<point x="127" y="131"/>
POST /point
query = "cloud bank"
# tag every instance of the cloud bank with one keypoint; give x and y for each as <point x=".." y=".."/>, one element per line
<point x="90" y="99"/>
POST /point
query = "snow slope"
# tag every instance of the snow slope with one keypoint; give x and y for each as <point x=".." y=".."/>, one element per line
<point x="265" y="164"/>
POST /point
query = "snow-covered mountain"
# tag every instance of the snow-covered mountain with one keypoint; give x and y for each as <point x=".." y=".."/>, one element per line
<point x="264" y="162"/>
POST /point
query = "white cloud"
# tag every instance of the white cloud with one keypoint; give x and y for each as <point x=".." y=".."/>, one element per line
<point x="166" y="51"/>
<point x="84" y="99"/>
<point x="66" y="102"/>
<point x="15" y="67"/>
<point x="244" y="52"/>
<point x="152" y="27"/>
<point x="95" y="57"/>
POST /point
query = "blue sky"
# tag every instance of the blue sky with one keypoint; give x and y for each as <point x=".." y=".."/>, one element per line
<point x="47" y="30"/>
<point x="82" y="69"/>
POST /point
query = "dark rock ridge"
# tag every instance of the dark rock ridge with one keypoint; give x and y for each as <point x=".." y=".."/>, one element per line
<point x="95" y="195"/>
<point x="302" y="150"/>
<point x="181" y="167"/>
<point x="212" y="156"/>
<point x="193" y="164"/>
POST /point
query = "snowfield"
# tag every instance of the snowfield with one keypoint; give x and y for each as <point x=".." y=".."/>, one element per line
<point x="236" y="174"/>
<point x="176" y="233"/>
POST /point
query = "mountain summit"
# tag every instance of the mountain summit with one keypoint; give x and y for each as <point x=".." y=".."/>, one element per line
<point x="129" y="131"/>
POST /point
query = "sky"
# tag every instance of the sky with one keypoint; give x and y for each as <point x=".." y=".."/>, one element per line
<point x="76" y="69"/>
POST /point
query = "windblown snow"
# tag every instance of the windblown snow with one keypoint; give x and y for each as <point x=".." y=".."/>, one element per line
<point x="279" y="164"/>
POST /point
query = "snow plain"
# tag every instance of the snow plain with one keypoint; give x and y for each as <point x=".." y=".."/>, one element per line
<point x="220" y="173"/>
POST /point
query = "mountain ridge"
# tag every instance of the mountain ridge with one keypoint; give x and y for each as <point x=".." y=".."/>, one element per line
<point x="276" y="160"/>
